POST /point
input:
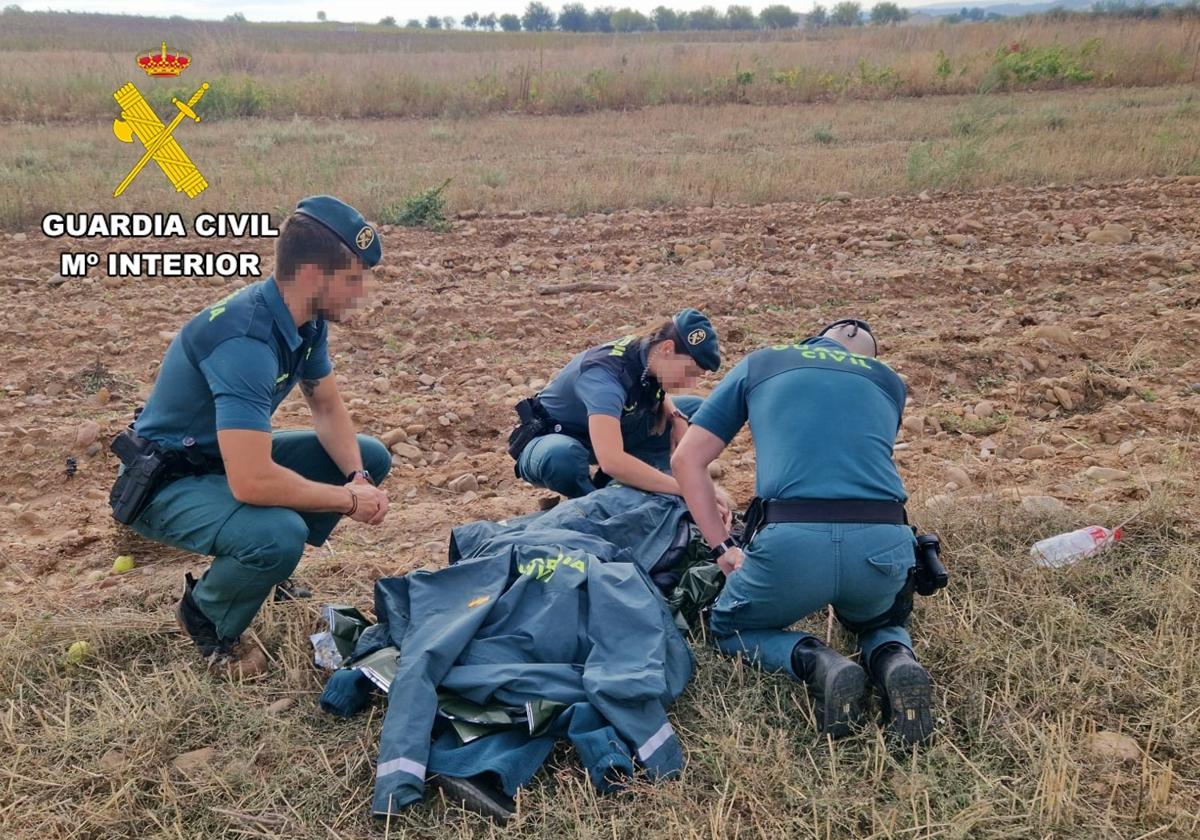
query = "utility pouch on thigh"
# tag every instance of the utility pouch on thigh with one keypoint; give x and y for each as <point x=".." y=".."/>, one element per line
<point x="145" y="468"/>
<point x="895" y="616"/>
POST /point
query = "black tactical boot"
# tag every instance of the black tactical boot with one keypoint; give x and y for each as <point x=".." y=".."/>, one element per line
<point x="478" y="794"/>
<point x="906" y="699"/>
<point x="229" y="657"/>
<point x="835" y="683"/>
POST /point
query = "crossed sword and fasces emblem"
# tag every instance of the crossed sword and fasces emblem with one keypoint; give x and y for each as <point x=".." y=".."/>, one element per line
<point x="138" y="118"/>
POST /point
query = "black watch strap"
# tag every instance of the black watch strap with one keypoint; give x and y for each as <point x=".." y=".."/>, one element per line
<point x="356" y="473"/>
<point x="722" y="547"/>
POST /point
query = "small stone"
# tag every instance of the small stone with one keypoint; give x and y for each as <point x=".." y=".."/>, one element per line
<point x="102" y="396"/>
<point x="1055" y="333"/>
<point x="465" y="483"/>
<point x="87" y="433"/>
<point x="1105" y="474"/>
<point x="1126" y="448"/>
<point x="913" y="425"/>
<point x="984" y="408"/>
<point x="716" y="470"/>
<point x="405" y="450"/>
<point x="194" y="760"/>
<point x="281" y="705"/>
<point x="1114" y="745"/>
<point x="717" y="246"/>
<point x="380" y="385"/>
<point x="426" y="380"/>
<point x="704" y="265"/>
<point x="392" y="437"/>
<point x="1036" y="451"/>
<point x="1063" y="396"/>
<point x="1111" y="234"/>
<point x="28" y="450"/>
<point x="958" y="240"/>
<point x="959" y="476"/>
<point x="113" y="759"/>
<point x="1043" y="505"/>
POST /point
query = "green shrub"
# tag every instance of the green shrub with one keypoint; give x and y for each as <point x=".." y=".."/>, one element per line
<point x="424" y="209"/>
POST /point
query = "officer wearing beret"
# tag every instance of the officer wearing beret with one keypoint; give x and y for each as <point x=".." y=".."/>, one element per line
<point x="831" y="526"/>
<point x="610" y="406"/>
<point x="250" y="497"/>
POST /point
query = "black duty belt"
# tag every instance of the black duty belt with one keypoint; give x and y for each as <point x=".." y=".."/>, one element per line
<point x="859" y="511"/>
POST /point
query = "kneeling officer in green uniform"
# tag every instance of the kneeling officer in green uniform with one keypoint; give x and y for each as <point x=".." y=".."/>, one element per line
<point x="831" y="526"/>
<point x="611" y="406"/>
<point x="202" y="469"/>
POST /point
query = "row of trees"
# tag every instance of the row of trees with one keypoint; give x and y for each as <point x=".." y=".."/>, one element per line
<point x="575" y="17"/>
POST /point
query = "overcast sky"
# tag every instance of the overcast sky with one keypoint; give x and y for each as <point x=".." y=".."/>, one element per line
<point x="365" y="10"/>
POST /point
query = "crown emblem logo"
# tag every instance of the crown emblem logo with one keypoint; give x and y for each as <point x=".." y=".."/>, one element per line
<point x="162" y="63"/>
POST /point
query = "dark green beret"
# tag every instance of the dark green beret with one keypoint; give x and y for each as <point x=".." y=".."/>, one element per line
<point x="699" y="338"/>
<point x="349" y="225"/>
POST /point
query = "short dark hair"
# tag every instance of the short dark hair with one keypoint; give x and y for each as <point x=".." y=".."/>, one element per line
<point x="305" y="241"/>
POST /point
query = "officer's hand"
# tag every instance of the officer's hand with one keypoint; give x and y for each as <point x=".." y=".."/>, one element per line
<point x="372" y="503"/>
<point x="731" y="561"/>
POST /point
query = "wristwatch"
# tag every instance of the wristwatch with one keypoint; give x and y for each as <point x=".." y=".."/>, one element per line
<point x="356" y="473"/>
<point x="723" y="546"/>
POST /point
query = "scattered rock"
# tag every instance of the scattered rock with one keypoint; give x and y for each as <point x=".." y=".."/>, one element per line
<point x="913" y="425"/>
<point x="87" y="433"/>
<point x="1111" y="234"/>
<point x="1035" y="451"/>
<point x="427" y="380"/>
<point x="465" y="483"/>
<point x="716" y="469"/>
<point x="704" y="265"/>
<point x="112" y="760"/>
<point x="28" y="450"/>
<point x="405" y="450"/>
<point x="1114" y="745"/>
<point x="1055" y="333"/>
<point x="959" y="476"/>
<point x="984" y="408"/>
<point x="1105" y="474"/>
<point x="1043" y="505"/>
<point x="958" y="240"/>
<point x="281" y="705"/>
<point x="392" y="437"/>
<point x="194" y="760"/>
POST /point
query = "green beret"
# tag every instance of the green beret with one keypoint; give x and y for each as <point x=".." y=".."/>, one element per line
<point x="699" y="338"/>
<point x="349" y="225"/>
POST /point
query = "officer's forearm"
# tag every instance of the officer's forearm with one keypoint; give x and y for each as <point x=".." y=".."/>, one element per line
<point x="277" y="486"/>
<point x="335" y="431"/>
<point x="700" y="494"/>
<point x="635" y="472"/>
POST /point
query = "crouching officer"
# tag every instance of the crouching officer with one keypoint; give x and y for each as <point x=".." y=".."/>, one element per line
<point x="610" y="406"/>
<point x="203" y="471"/>
<point x="831" y="525"/>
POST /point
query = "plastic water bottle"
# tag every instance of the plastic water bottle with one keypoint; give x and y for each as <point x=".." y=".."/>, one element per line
<point x="1065" y="549"/>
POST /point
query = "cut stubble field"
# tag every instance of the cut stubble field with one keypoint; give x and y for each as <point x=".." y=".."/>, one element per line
<point x="665" y="156"/>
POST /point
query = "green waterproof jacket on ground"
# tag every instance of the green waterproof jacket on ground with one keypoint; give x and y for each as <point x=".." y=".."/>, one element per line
<point x="533" y="614"/>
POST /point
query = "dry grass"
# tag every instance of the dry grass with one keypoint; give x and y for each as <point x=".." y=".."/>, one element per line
<point x="668" y="156"/>
<point x="1029" y="664"/>
<point x="62" y="68"/>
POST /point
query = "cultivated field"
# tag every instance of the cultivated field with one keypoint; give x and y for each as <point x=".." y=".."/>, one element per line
<point x="1028" y="257"/>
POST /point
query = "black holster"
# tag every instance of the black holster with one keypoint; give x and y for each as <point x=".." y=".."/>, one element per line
<point x="532" y="422"/>
<point x="147" y="469"/>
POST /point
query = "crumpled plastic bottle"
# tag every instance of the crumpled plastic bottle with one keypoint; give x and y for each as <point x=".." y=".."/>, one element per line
<point x="1067" y="549"/>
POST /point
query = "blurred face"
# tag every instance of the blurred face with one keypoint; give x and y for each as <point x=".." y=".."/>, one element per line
<point x="337" y="294"/>
<point x="673" y="370"/>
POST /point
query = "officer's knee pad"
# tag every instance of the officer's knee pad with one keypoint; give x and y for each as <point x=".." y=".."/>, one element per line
<point x="375" y="457"/>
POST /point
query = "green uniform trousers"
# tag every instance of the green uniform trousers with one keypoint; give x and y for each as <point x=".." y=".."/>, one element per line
<point x="253" y="548"/>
